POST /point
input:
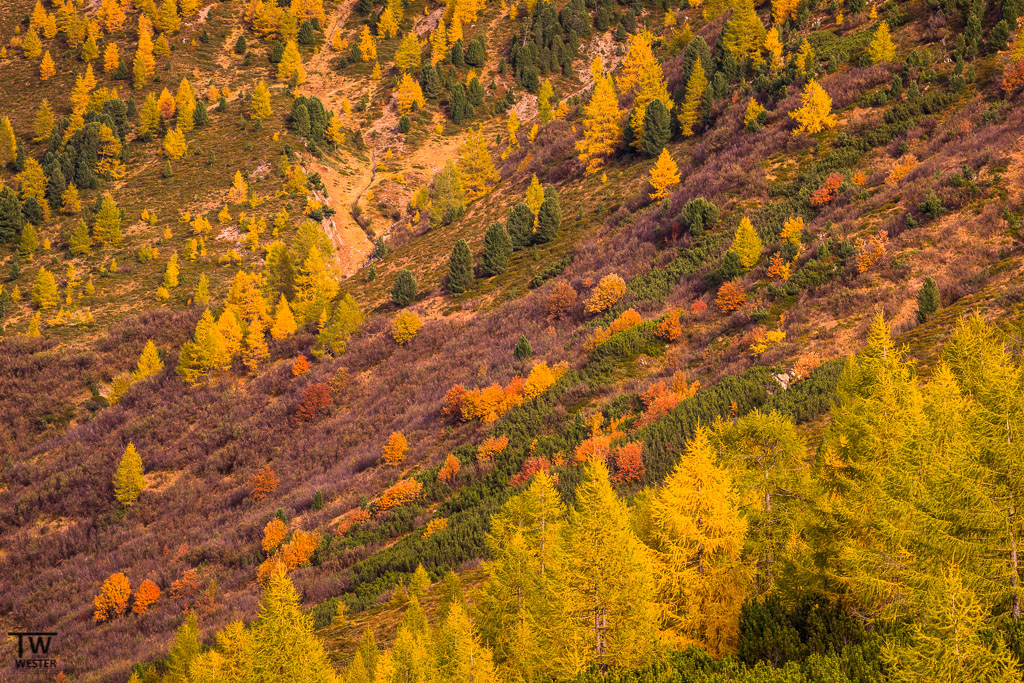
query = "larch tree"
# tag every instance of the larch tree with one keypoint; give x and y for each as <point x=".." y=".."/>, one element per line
<point x="691" y="113"/>
<point x="409" y="95"/>
<point x="664" y="175"/>
<point x="744" y="34"/>
<point x="111" y="58"/>
<point x="44" y="289"/>
<point x="395" y="450"/>
<point x="815" y="112"/>
<point x="42" y="125"/>
<point x="881" y="48"/>
<point x="697" y="533"/>
<point x="175" y="145"/>
<point x="284" y="322"/>
<point x="286" y="646"/>
<point x="144" y="64"/>
<point x="290" y="67"/>
<point x="544" y="109"/>
<point x="171" y="273"/>
<point x="149" y="362"/>
<point x="746" y="244"/>
<point x="261" y="101"/>
<point x="8" y="142"/>
<point x="461" y="657"/>
<point x="610" y="592"/>
<point x="768" y="462"/>
<point x="31" y="45"/>
<point x="602" y="125"/>
<point x="70" y="203"/>
<point x="408" y="55"/>
<point x="367" y="46"/>
<point x="129" y="481"/>
<point x="47" y="69"/>
<point x="476" y="166"/>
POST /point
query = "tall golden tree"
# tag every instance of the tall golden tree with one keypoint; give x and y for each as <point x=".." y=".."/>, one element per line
<point x="129" y="481"/>
<point x="602" y="125"/>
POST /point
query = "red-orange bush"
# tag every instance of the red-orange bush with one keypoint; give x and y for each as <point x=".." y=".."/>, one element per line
<point x="299" y="549"/>
<point x="449" y="469"/>
<point x="273" y="533"/>
<point x="490" y="447"/>
<point x="187" y="586"/>
<point x="530" y="467"/>
<point x="827" y="192"/>
<point x="315" y="400"/>
<point x="300" y="366"/>
<point x="669" y="328"/>
<point x="353" y="517"/>
<point x="731" y="297"/>
<point x="262" y="483"/>
<point x="629" y="462"/>
<point x="146" y="595"/>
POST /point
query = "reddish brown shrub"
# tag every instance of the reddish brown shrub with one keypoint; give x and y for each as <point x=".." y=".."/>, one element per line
<point x="315" y="399"/>
<point x="629" y="462"/>
<point x="146" y="595"/>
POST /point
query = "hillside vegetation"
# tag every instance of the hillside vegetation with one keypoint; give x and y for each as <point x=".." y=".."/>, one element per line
<point x="391" y="341"/>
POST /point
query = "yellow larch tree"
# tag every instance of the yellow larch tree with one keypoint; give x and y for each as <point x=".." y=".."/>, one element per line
<point x="664" y="175"/>
<point x="602" y="125"/>
<point x="408" y="55"/>
<point x="31" y="45"/>
<point x="814" y="114"/>
<point x="367" y="46"/>
<point x="144" y="63"/>
<point x="690" y="114"/>
<point x="409" y="95"/>
<point x="290" y="68"/>
<point x="387" y="27"/>
<point x="111" y="58"/>
<point x="175" y="144"/>
<point x="260" y="101"/>
<point x="438" y="43"/>
<point x="476" y="166"/>
<point x="284" y="321"/>
<point x="129" y="481"/>
<point x="395" y="449"/>
<point x="513" y="126"/>
<point x="47" y="69"/>
<point x="185" y="103"/>
<point x="746" y="244"/>
<point x="881" y="48"/>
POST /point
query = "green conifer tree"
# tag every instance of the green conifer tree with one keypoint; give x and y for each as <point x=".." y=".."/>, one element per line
<point x="460" y="268"/>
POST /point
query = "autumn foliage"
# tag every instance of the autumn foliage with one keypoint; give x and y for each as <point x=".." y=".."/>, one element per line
<point x="262" y="483"/>
<point x="828" y="191"/>
<point x="530" y="467"/>
<point x="273" y="533"/>
<point x="607" y="293"/>
<point x="870" y="250"/>
<point x="112" y="600"/>
<point x="146" y="595"/>
<point x="435" y="525"/>
<point x="449" y="469"/>
<point x="629" y="462"/>
<point x="315" y="399"/>
<point x="490" y="403"/>
<point x="395" y="449"/>
<point x="669" y="328"/>
<point x="491" y="447"/>
<point x="731" y="297"/>
<point x="396" y="495"/>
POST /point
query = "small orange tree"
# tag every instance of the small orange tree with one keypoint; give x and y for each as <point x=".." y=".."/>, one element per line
<point x="395" y="449"/>
<point x="491" y="447"/>
<point x="731" y="297"/>
<point x="273" y="533"/>
<point x="669" y="328"/>
<point x="146" y="595"/>
<point x="112" y="600"/>
<point x="449" y="469"/>
<point x="262" y="483"/>
<point x="607" y="293"/>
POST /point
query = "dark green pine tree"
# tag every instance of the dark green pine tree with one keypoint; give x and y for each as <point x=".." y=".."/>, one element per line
<point x="460" y="268"/>
<point x="523" y="350"/>
<point x="497" y="250"/>
<point x="657" y="128"/>
<point x="405" y="289"/>
<point x="520" y="225"/>
<point x="928" y="300"/>
<point x="430" y="82"/>
<point x="11" y="219"/>
<point x="549" y="218"/>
